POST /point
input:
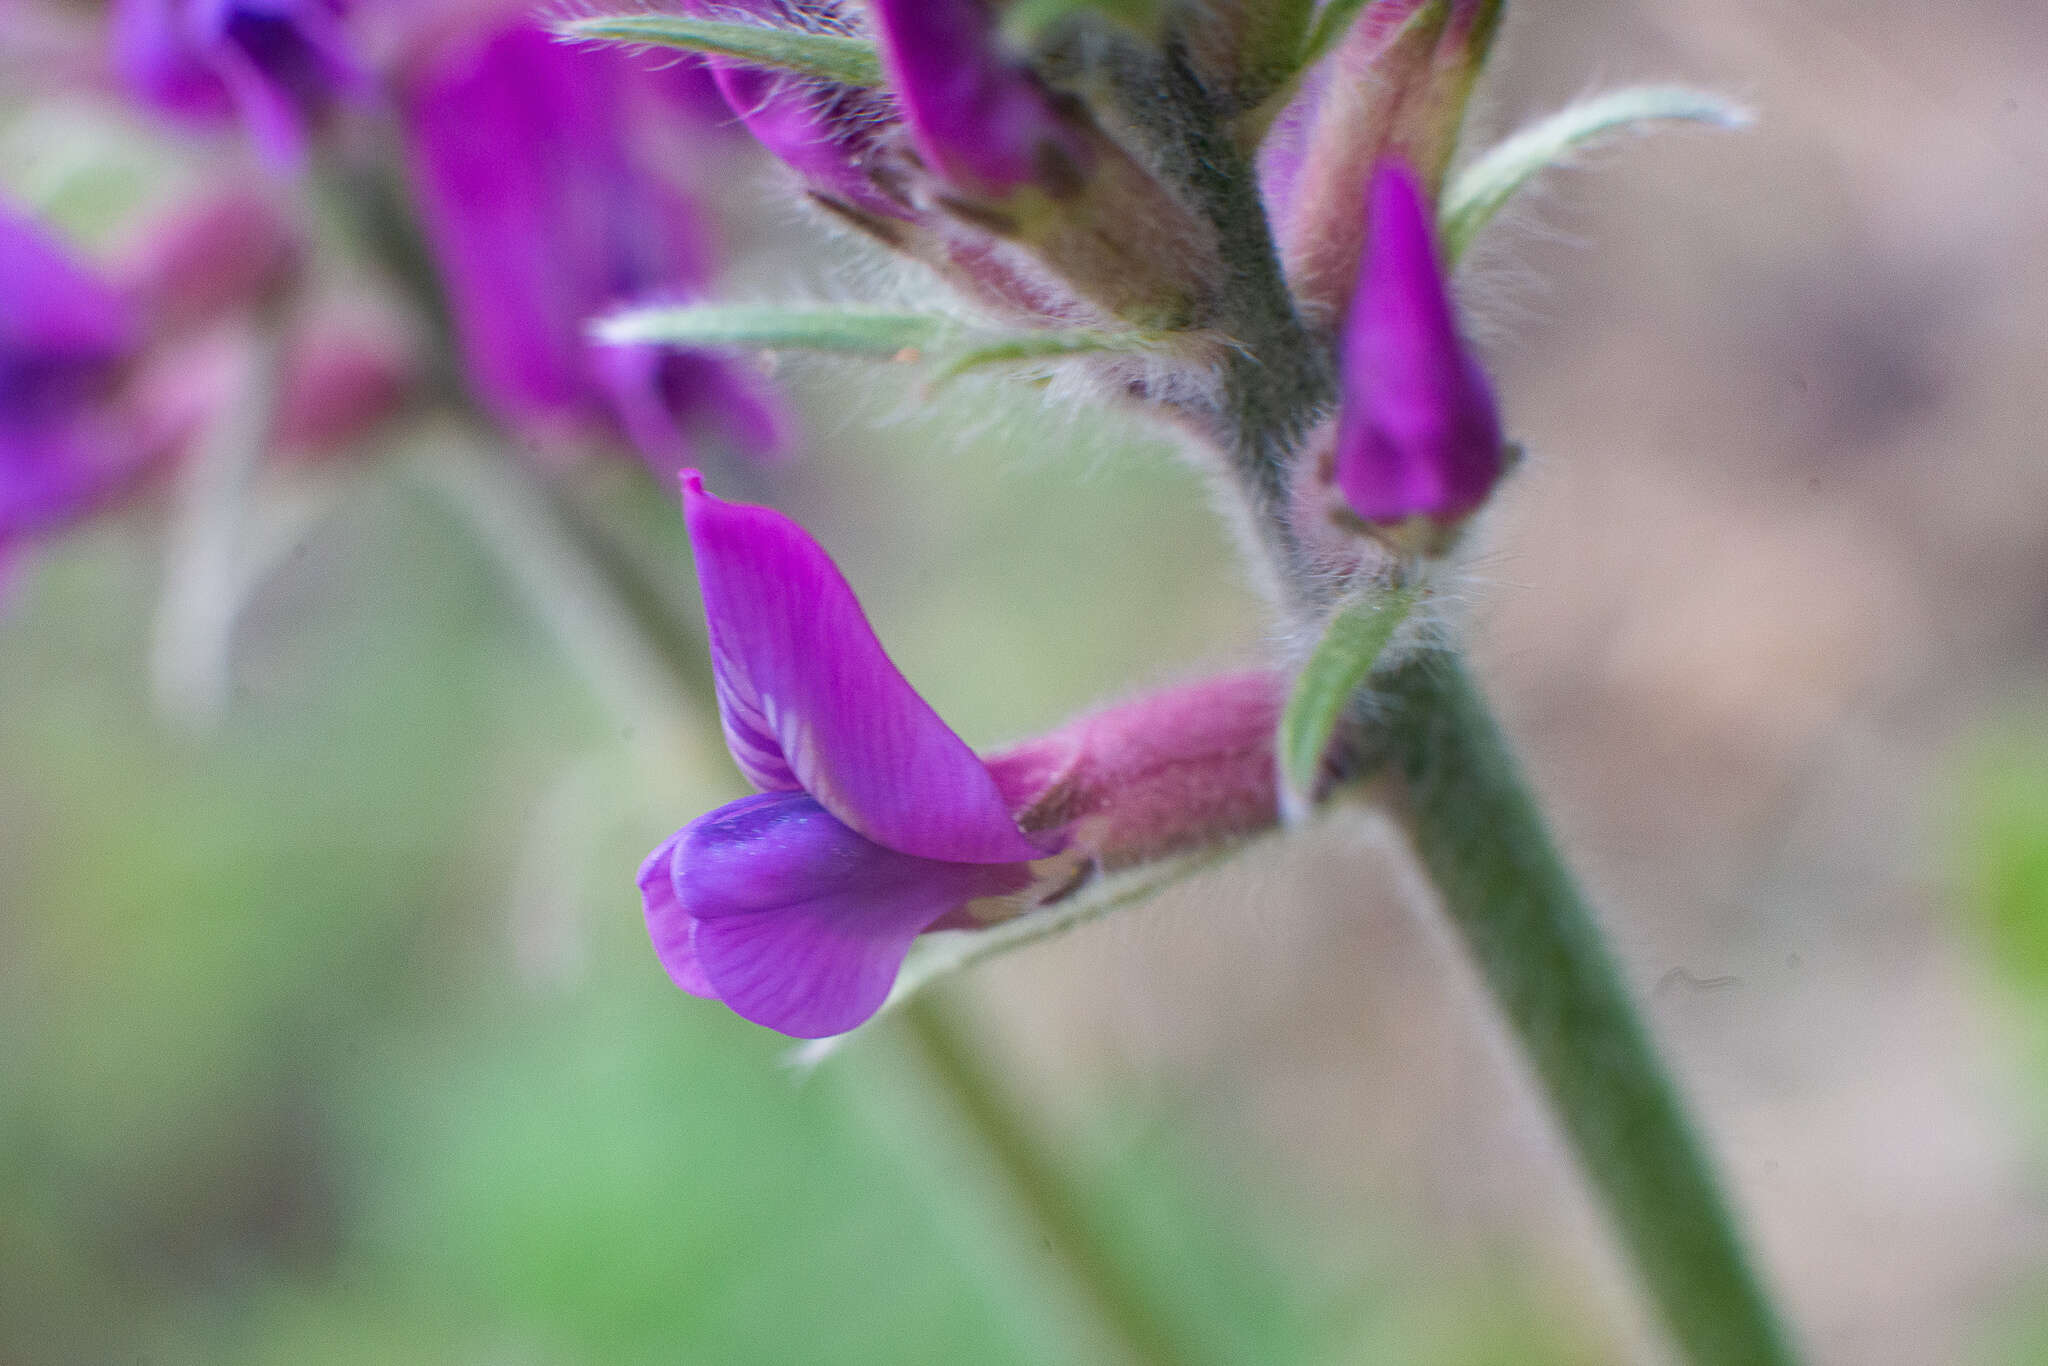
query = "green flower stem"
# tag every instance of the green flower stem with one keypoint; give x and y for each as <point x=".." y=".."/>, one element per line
<point x="1034" y="1178"/>
<point x="1476" y="829"/>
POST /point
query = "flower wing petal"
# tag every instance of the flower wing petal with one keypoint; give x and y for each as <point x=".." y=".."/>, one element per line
<point x="809" y="699"/>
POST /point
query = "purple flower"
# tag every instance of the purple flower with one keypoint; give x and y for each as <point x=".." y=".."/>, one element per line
<point x="875" y="822"/>
<point x="544" y="206"/>
<point x="278" y="65"/>
<point x="979" y="119"/>
<point x="65" y="337"/>
<point x="1417" y="434"/>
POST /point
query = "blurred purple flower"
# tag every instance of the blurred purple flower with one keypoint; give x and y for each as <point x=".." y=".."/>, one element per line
<point x="544" y="207"/>
<point x="979" y="119"/>
<point x="1417" y="433"/>
<point x="875" y="822"/>
<point x="65" y="337"/>
<point x="278" y="65"/>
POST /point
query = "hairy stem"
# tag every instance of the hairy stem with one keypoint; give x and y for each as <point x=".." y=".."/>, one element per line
<point x="1477" y="830"/>
<point x="1277" y="377"/>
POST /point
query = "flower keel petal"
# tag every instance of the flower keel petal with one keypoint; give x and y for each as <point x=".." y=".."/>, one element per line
<point x="800" y="924"/>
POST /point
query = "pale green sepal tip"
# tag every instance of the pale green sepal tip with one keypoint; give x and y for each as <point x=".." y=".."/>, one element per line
<point x="1483" y="188"/>
<point x="826" y="56"/>
<point x="750" y="328"/>
<point x="1352" y="644"/>
<point x="998" y="348"/>
<point x="957" y="348"/>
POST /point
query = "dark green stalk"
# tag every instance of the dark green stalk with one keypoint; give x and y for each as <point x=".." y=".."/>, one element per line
<point x="1476" y="828"/>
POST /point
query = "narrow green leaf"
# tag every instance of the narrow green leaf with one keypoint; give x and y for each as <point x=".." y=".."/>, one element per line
<point x="1357" y="634"/>
<point x="1482" y="188"/>
<point x="828" y="56"/>
<point x="854" y="332"/>
<point x="997" y="348"/>
<point x="747" y="327"/>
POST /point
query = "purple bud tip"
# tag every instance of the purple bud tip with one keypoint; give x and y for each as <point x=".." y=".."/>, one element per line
<point x="1418" y="434"/>
<point x="979" y="119"/>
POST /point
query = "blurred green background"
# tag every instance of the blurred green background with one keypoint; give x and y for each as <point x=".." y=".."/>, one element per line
<point x="332" y="1035"/>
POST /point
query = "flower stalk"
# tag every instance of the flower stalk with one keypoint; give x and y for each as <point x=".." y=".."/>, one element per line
<point x="1457" y="792"/>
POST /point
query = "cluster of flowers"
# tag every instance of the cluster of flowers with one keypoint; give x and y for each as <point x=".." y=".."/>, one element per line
<point x="542" y="177"/>
<point x="1034" y="182"/>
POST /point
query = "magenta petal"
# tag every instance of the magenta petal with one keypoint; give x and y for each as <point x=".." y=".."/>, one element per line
<point x="826" y="134"/>
<point x="800" y="924"/>
<point x="978" y="118"/>
<point x="1418" y="434"/>
<point x="280" y="63"/>
<point x="810" y="700"/>
<point x="668" y="924"/>
<point x="65" y="335"/>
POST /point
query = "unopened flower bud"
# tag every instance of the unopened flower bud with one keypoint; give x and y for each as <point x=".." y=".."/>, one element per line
<point x="1418" y="434"/>
<point x="341" y="381"/>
